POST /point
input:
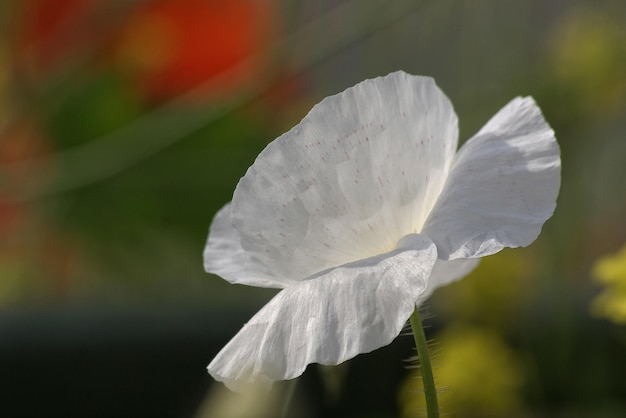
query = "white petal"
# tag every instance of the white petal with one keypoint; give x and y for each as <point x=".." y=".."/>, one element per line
<point x="330" y="318"/>
<point x="446" y="272"/>
<point x="224" y="256"/>
<point x="502" y="186"/>
<point x="360" y="171"/>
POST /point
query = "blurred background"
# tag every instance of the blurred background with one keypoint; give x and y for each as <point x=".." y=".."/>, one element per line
<point x="126" y="124"/>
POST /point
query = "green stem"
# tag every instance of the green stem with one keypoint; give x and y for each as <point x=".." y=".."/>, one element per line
<point x="432" y="408"/>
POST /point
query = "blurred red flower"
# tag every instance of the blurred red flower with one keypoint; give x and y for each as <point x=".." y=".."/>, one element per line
<point x="171" y="46"/>
<point x="20" y="142"/>
<point x="47" y="31"/>
<point x="166" y="46"/>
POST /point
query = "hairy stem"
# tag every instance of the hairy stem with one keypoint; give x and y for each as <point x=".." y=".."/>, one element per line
<point x="430" y="391"/>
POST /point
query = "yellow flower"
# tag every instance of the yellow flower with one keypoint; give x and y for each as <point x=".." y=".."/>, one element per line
<point x="611" y="303"/>
<point x="476" y="373"/>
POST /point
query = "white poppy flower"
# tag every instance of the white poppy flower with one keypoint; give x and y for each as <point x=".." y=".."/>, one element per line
<point x="362" y="210"/>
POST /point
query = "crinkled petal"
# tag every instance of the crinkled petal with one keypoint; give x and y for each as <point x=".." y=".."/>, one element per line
<point x="224" y="256"/>
<point x="359" y="172"/>
<point x="329" y="318"/>
<point x="502" y="186"/>
<point x="446" y="272"/>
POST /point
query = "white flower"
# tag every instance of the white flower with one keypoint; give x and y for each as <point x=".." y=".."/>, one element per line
<point x="364" y="208"/>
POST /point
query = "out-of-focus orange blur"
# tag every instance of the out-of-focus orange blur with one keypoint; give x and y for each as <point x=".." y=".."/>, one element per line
<point x="169" y="47"/>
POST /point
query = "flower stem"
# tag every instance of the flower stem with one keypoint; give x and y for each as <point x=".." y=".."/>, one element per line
<point x="430" y="391"/>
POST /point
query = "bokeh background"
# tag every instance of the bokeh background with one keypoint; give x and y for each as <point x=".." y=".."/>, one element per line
<point x="126" y="124"/>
